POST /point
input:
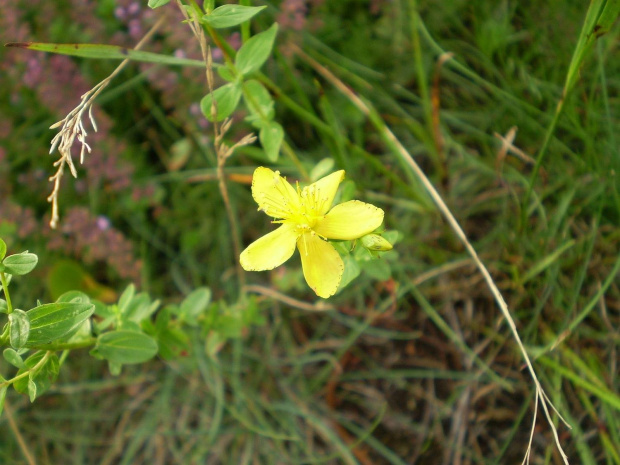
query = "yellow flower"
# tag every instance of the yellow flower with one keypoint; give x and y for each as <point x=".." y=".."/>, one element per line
<point x="307" y="220"/>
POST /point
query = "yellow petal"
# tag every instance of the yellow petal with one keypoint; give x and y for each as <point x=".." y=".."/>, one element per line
<point x="270" y="250"/>
<point x="349" y="220"/>
<point x="322" y="265"/>
<point x="323" y="191"/>
<point x="273" y="194"/>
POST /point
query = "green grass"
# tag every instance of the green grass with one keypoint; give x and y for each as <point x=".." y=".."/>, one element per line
<point x="420" y="368"/>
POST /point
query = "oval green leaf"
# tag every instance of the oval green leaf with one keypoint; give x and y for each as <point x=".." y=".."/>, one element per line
<point x="157" y="3"/>
<point x="20" y="328"/>
<point x="2" y="249"/>
<point x="271" y="136"/>
<point x="194" y="304"/>
<point x="20" y="264"/>
<point x="75" y="297"/>
<point x="254" y="53"/>
<point x="13" y="358"/>
<point x="226" y="100"/>
<point x="50" y="322"/>
<point x="126" y="347"/>
<point x="258" y="100"/>
<point x="230" y="15"/>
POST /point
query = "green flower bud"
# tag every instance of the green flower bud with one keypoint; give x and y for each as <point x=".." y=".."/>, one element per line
<point x="376" y="242"/>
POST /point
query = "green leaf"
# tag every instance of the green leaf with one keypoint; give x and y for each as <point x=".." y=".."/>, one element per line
<point x="321" y="169"/>
<point x="230" y="15"/>
<point x="2" y="249"/>
<point x="377" y="269"/>
<point x="108" y="52"/>
<point x="157" y="3"/>
<point x="20" y="264"/>
<point x="271" y="136"/>
<point x="194" y="304"/>
<point x="37" y="383"/>
<point x="20" y="328"/>
<point x="253" y="54"/>
<point x="3" y="306"/>
<point x="126" y="297"/>
<point x="173" y="342"/>
<point x="163" y="317"/>
<point x="226" y="99"/>
<point x="140" y="308"/>
<point x="77" y="297"/>
<point x="226" y="74"/>
<point x="115" y="368"/>
<point x="351" y="271"/>
<point x="258" y="100"/>
<point x="50" y="322"/>
<point x="11" y="356"/>
<point x="126" y="347"/>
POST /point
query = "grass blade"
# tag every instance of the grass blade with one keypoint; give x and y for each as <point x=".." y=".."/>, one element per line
<point x="105" y="52"/>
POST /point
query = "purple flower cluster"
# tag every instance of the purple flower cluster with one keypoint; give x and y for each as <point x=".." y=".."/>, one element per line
<point x="293" y="14"/>
<point x="22" y="218"/>
<point x="93" y="240"/>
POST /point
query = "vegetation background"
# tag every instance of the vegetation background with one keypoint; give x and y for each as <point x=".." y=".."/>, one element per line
<point x="393" y="370"/>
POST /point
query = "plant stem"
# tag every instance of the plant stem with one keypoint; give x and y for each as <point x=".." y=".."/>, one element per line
<point x="5" y="287"/>
<point x="56" y="347"/>
<point x="35" y="368"/>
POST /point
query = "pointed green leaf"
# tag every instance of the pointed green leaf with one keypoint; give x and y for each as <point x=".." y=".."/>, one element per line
<point x="254" y="53"/>
<point x="11" y="356"/>
<point x="20" y="264"/>
<point x="140" y="308"/>
<point x="20" y="328"/>
<point x="322" y="169"/>
<point x="108" y="52"/>
<point x="2" y="249"/>
<point x="230" y="15"/>
<point x="50" y="322"/>
<point x="226" y="100"/>
<point x="126" y="296"/>
<point x="126" y="347"/>
<point x="271" y="136"/>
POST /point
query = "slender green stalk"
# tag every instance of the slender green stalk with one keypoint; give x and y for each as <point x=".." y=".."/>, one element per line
<point x="5" y="287"/>
<point x="58" y="346"/>
<point x="34" y="369"/>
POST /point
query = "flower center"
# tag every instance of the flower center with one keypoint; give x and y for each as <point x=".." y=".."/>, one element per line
<point x="300" y="207"/>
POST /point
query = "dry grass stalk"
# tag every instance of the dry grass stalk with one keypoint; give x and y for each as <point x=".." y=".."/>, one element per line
<point x="366" y="108"/>
<point x="222" y="150"/>
<point x="71" y="128"/>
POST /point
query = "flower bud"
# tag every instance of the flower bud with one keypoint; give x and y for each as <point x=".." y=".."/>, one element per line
<point x="376" y="243"/>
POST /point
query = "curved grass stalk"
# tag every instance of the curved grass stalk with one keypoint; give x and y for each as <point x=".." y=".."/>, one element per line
<point x="393" y="142"/>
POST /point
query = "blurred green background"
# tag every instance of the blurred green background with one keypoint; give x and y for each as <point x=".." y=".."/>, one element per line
<point x="387" y="374"/>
